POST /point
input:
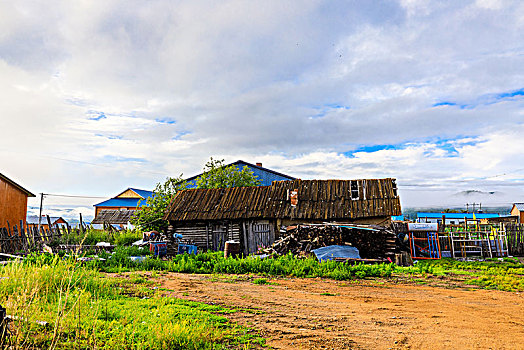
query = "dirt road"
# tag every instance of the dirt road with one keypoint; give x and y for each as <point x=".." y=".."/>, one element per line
<point x="327" y="314"/>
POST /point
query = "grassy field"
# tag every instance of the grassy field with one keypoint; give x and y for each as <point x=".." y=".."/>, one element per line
<point x="86" y="309"/>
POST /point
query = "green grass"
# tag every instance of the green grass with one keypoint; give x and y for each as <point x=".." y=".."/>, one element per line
<point x="93" y="236"/>
<point x="507" y="275"/>
<point x="215" y="263"/>
<point x="86" y="309"/>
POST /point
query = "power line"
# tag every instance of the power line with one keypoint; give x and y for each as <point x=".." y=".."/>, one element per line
<point x="70" y="195"/>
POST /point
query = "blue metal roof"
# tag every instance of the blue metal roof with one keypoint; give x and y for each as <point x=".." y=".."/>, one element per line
<point x="122" y="202"/>
<point x="143" y="193"/>
<point x="520" y="206"/>
<point x="127" y="202"/>
<point x="457" y="215"/>
<point x="265" y="175"/>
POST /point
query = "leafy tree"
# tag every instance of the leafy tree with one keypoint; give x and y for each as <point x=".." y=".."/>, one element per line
<point x="150" y="217"/>
<point x="217" y="175"/>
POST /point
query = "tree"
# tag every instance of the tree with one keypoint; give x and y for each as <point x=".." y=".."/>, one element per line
<point x="151" y="216"/>
<point x="217" y="175"/>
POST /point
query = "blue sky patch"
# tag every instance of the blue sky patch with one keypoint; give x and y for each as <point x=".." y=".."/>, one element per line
<point x="100" y="115"/>
<point x="111" y="137"/>
<point x="327" y="107"/>
<point x="165" y="121"/>
<point x="371" y="149"/>
<point x="485" y="100"/>
<point x="180" y="135"/>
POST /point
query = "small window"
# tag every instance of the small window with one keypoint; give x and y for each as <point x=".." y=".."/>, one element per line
<point x="354" y="190"/>
<point x="395" y="192"/>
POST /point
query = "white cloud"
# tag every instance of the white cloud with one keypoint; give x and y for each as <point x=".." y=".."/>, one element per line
<point x="293" y="84"/>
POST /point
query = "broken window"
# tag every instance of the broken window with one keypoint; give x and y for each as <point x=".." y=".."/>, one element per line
<point x="394" y="187"/>
<point x="354" y="190"/>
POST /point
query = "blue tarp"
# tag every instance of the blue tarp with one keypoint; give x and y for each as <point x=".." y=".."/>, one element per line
<point x="336" y="251"/>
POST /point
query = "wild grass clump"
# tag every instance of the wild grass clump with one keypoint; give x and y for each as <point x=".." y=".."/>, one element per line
<point x="507" y="275"/>
<point x="85" y="309"/>
<point x="214" y="262"/>
<point x="92" y="236"/>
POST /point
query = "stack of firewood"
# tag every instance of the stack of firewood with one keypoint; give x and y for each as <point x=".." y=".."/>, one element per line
<point x="302" y="239"/>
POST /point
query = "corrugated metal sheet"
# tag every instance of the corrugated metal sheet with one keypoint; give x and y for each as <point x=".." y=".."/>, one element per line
<point x="520" y="206"/>
<point x="457" y="215"/>
<point x="122" y="202"/>
<point x="120" y="217"/>
<point x="317" y="199"/>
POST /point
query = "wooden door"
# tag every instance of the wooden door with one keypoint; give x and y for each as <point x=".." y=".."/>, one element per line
<point x="260" y="235"/>
<point x="220" y="236"/>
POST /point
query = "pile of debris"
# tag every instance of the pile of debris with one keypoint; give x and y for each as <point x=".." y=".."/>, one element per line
<point x="372" y="241"/>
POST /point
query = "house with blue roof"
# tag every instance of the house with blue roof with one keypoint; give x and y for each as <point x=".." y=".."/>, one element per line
<point x="453" y="218"/>
<point x="134" y="198"/>
<point x="265" y="175"/>
<point x="129" y="199"/>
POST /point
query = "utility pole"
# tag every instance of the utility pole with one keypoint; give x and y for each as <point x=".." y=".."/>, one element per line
<point x="40" y="214"/>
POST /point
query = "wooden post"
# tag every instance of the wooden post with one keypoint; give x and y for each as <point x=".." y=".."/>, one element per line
<point x="40" y="212"/>
<point x="81" y="224"/>
<point x="246" y="242"/>
<point x="49" y="225"/>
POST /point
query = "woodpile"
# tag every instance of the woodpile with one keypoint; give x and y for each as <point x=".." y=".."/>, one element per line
<point x="371" y="241"/>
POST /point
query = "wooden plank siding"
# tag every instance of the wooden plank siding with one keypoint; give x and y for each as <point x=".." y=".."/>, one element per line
<point x="13" y="202"/>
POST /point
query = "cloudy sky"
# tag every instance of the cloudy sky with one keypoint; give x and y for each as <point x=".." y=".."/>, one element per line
<point x="98" y="96"/>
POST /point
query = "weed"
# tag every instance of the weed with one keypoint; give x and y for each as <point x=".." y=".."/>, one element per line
<point x="89" y="310"/>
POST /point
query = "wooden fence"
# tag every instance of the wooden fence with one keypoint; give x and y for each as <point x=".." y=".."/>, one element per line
<point x="20" y="239"/>
<point x="515" y="236"/>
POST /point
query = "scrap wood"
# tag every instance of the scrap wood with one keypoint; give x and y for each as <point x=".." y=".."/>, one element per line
<point x="372" y="241"/>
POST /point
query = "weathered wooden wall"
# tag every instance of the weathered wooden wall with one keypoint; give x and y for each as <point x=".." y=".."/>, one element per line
<point x="213" y="235"/>
<point x="13" y="204"/>
<point x="99" y="209"/>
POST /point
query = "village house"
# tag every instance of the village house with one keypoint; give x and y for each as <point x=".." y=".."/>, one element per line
<point x="13" y="202"/>
<point x="454" y="218"/>
<point x="518" y="211"/>
<point x="265" y="175"/>
<point x="119" y="209"/>
<point x="32" y="221"/>
<point x="254" y="216"/>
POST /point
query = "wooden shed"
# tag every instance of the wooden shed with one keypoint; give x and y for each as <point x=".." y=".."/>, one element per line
<point x="13" y="202"/>
<point x="254" y="215"/>
<point x="518" y="211"/>
<point x="32" y="221"/>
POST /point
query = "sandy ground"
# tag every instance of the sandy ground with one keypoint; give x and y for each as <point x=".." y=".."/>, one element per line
<point x="373" y="314"/>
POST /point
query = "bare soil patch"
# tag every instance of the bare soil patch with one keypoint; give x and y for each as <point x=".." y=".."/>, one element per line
<point x="371" y="314"/>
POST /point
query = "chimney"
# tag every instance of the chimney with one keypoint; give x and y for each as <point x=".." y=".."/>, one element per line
<point x="259" y="164"/>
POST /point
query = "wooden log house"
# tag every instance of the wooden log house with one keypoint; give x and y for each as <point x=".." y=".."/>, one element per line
<point x="254" y="215"/>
